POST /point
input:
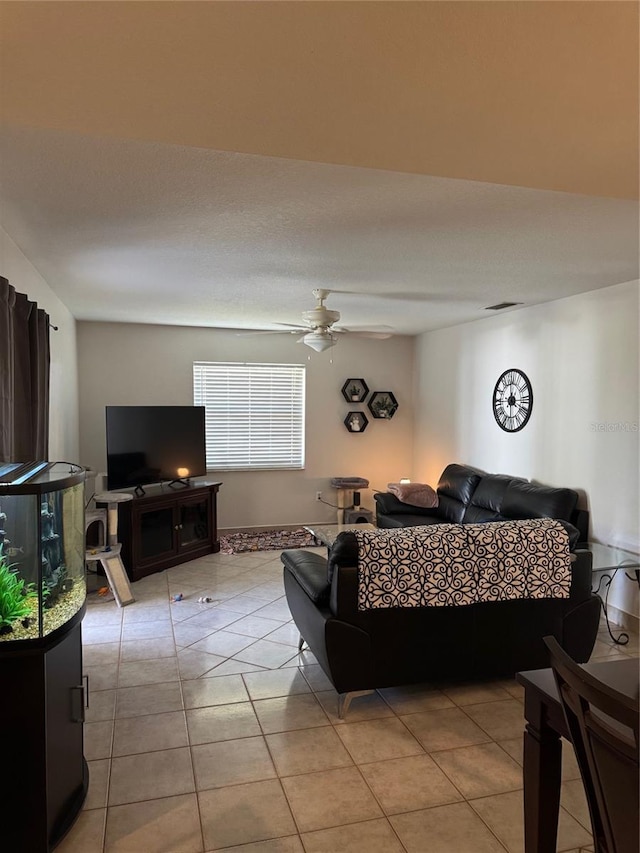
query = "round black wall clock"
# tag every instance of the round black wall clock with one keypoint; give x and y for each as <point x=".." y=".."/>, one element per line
<point x="512" y="400"/>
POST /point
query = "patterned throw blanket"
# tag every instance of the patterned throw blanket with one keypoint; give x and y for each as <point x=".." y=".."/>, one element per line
<point x="454" y="564"/>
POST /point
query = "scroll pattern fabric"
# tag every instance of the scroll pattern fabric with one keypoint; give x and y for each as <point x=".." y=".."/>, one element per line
<point x="444" y="565"/>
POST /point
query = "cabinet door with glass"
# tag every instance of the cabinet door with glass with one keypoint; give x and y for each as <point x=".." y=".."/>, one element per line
<point x="158" y="532"/>
<point x="194" y="515"/>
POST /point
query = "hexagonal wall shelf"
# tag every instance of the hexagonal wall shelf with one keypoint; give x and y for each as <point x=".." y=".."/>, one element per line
<point x="356" y="421"/>
<point x="355" y="390"/>
<point x="383" y="404"/>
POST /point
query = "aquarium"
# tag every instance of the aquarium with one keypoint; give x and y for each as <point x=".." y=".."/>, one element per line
<point x="42" y="572"/>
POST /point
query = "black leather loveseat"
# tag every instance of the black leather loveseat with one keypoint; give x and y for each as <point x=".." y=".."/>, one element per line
<point x="468" y="495"/>
<point x="364" y="650"/>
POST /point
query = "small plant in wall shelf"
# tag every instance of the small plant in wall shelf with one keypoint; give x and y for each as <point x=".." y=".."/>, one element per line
<point x="355" y="390"/>
<point x="383" y="405"/>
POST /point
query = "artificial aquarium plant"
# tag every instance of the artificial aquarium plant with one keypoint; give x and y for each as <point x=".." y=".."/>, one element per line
<point x="16" y="596"/>
<point x="54" y="582"/>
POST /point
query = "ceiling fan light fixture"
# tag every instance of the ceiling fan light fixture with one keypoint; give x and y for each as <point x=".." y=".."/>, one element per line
<point x="319" y="340"/>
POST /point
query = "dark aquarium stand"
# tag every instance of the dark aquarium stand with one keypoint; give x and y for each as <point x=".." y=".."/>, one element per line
<point x="42" y="705"/>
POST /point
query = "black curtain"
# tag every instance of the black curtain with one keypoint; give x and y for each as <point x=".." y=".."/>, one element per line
<point x="24" y="377"/>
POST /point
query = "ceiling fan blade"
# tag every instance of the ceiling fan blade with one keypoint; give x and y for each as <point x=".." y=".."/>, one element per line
<point x="376" y="336"/>
<point x="293" y="331"/>
<point x="379" y="333"/>
<point x="372" y="328"/>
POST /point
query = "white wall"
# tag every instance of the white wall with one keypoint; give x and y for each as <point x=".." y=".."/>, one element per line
<point x="581" y="355"/>
<point x="63" y="391"/>
<point x="127" y="364"/>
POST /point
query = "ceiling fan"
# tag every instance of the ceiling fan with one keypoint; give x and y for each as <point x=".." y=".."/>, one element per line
<point x="320" y="333"/>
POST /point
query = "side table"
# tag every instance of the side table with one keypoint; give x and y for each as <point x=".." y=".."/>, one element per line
<point x="607" y="562"/>
<point x="325" y="534"/>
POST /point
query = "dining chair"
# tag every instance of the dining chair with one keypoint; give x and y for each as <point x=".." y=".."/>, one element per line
<point x="603" y="724"/>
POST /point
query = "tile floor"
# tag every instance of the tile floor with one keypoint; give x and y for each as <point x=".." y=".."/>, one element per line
<point x="207" y="730"/>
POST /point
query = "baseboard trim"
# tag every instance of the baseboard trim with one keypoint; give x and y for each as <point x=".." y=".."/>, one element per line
<point x="629" y="621"/>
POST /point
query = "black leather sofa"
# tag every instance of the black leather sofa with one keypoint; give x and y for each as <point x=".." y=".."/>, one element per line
<point x="363" y="650"/>
<point x="468" y="495"/>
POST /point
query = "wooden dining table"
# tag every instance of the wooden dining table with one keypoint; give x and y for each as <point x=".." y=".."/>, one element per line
<point x="545" y="727"/>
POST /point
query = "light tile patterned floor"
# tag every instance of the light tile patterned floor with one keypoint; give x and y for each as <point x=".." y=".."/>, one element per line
<point x="207" y="730"/>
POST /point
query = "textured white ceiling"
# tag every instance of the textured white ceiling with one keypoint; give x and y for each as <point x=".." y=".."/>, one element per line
<point x="138" y="232"/>
<point x="424" y="160"/>
<point x="135" y="232"/>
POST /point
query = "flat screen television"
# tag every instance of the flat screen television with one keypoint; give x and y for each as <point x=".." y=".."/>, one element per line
<point x="152" y="444"/>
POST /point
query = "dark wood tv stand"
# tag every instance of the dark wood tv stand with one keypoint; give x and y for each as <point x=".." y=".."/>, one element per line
<point x="168" y="525"/>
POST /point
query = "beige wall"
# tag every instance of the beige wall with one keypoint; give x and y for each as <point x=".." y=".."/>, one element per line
<point x="127" y="364"/>
<point x="581" y="355"/>
<point x="63" y="419"/>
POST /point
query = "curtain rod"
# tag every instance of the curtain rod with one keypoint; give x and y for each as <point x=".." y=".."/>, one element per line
<point x="55" y="328"/>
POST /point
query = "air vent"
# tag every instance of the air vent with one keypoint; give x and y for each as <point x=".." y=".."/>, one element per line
<point x="502" y="305"/>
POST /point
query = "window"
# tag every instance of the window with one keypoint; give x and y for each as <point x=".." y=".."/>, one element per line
<point x="254" y="414"/>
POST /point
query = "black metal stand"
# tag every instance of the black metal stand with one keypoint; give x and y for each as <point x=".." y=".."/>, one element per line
<point x="623" y="638"/>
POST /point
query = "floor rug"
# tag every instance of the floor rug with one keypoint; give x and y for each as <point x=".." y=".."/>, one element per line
<point x="267" y="540"/>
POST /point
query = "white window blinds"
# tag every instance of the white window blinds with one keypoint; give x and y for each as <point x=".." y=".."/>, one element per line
<point x="254" y="414"/>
